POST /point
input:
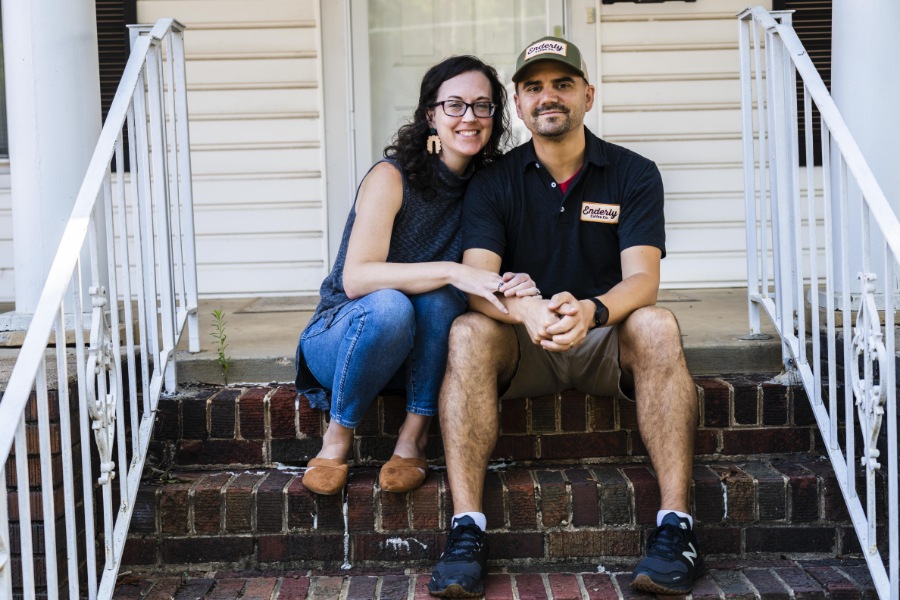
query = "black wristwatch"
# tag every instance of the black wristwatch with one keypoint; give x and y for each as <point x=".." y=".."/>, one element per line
<point x="601" y="314"/>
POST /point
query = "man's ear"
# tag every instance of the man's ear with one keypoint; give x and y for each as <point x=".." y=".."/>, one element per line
<point x="589" y="98"/>
<point x="516" y="100"/>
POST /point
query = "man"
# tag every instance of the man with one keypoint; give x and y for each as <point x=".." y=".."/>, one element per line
<point x="585" y="219"/>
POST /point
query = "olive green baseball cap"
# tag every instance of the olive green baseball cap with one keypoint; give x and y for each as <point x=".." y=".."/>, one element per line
<point x="550" y="48"/>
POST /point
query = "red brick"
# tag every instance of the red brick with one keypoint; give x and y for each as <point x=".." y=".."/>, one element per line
<point x="804" y="491"/>
<point x="280" y="548"/>
<point x="554" y="509"/>
<point x="330" y="512"/>
<point x="507" y="546"/>
<point x="173" y="507"/>
<point x="733" y="585"/>
<point x="394" y="410"/>
<point x="704" y="589"/>
<point x="208" y="503"/>
<point x="522" y="511"/>
<point x="293" y="589"/>
<point x="768" y="586"/>
<point x="543" y="414"/>
<point x="837" y="586"/>
<point x="514" y="447"/>
<point x="418" y="546"/>
<point x="629" y="593"/>
<point x="585" y="506"/>
<point x="281" y="414"/>
<point x="252" y="412"/>
<point x="599" y="587"/>
<point x="790" y="539"/>
<point x="219" y="452"/>
<point x="863" y="579"/>
<point x="564" y="586"/>
<point x="628" y="415"/>
<point x="327" y="588"/>
<point x="239" y="502"/>
<point x="770" y="491"/>
<point x="492" y="502"/>
<point x="513" y="416"/>
<point x="221" y="414"/>
<point x="143" y="519"/>
<point x="741" y="497"/>
<point x="186" y="551"/>
<point x="606" y="542"/>
<point x="573" y="411"/>
<point x="421" y="591"/>
<point x="603" y="413"/>
<point x="719" y="540"/>
<point x="131" y="591"/>
<point x="195" y="588"/>
<point x="270" y="498"/>
<point x="228" y="589"/>
<point x="715" y="402"/>
<point x="139" y="551"/>
<point x="165" y="427"/>
<point x="163" y="589"/>
<point x="361" y="500"/>
<point x="426" y="503"/>
<point x="646" y="493"/>
<point x="193" y="418"/>
<point x="394" y="587"/>
<point x="804" y="586"/>
<point x="775" y="404"/>
<point x="531" y="587"/>
<point x="361" y="588"/>
<point x="497" y="587"/>
<point x="394" y="510"/>
<point x="583" y="445"/>
<point x="746" y="402"/>
<point x="301" y="505"/>
<point x="765" y="441"/>
<point x="835" y="507"/>
<point x="706" y="441"/>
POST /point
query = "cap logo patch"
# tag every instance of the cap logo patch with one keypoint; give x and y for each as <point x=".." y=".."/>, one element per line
<point x="546" y="47"/>
<point x="600" y="213"/>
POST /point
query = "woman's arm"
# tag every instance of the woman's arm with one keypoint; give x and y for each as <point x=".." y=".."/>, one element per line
<point x="365" y="270"/>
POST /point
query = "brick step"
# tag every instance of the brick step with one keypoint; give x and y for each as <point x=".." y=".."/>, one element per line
<point x="214" y="427"/>
<point x="267" y="519"/>
<point x="725" y="580"/>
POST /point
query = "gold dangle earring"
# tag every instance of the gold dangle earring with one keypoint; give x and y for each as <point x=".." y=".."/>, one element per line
<point x="433" y="143"/>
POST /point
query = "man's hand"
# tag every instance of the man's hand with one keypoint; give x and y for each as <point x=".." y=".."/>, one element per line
<point x="537" y="317"/>
<point x="571" y="329"/>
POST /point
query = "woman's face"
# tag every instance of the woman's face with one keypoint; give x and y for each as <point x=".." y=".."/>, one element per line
<point x="462" y="137"/>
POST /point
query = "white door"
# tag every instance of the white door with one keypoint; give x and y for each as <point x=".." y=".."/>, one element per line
<point x="396" y="41"/>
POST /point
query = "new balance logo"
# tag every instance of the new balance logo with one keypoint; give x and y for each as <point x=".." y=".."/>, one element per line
<point x="690" y="555"/>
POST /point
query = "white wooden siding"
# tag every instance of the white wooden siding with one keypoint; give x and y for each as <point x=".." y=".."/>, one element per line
<point x="671" y="92"/>
<point x="253" y="96"/>
<point x="7" y="272"/>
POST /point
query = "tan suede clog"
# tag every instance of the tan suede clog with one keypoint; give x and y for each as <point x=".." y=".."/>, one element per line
<point x="402" y="474"/>
<point x="327" y="478"/>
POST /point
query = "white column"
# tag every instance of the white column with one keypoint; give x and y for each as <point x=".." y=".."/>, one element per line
<point x="53" y="108"/>
<point x="865" y="84"/>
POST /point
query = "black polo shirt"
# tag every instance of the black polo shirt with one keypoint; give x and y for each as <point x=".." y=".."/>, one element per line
<point x="566" y="242"/>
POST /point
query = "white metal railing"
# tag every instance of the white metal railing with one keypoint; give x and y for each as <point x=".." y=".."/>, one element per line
<point x="164" y="283"/>
<point x="773" y="207"/>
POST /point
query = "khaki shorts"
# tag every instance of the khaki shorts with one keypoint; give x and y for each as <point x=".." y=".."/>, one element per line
<point x="592" y="367"/>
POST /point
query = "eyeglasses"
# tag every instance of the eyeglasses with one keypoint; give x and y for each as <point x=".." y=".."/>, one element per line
<point x="458" y="108"/>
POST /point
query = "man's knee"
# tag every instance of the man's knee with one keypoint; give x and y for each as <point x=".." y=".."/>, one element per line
<point x="652" y="329"/>
<point x="478" y="337"/>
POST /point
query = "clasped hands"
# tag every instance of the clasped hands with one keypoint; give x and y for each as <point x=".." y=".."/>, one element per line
<point x="560" y="323"/>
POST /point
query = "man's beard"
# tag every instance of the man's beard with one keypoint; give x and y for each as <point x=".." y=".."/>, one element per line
<point x="557" y="127"/>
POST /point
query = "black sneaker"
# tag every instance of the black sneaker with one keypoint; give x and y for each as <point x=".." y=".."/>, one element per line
<point x="673" y="560"/>
<point x="460" y="572"/>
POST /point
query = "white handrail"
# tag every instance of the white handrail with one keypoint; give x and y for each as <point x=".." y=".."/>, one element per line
<point x="99" y="368"/>
<point x="868" y="399"/>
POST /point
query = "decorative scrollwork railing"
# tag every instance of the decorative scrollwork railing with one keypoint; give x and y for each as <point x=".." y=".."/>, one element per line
<point x="150" y="280"/>
<point x="774" y="211"/>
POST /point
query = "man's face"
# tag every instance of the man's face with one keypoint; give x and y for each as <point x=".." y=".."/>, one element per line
<point x="552" y="99"/>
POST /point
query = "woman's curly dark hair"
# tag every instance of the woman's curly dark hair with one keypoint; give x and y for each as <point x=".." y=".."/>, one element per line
<point x="408" y="146"/>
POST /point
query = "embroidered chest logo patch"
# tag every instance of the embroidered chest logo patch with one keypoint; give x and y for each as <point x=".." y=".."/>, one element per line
<point x="600" y="213"/>
<point x="546" y="47"/>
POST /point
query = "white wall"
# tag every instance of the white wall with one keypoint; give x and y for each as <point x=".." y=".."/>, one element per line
<point x="254" y="103"/>
<point x="7" y="272"/>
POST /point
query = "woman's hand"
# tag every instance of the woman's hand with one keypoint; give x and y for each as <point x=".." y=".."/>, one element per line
<point x="479" y="282"/>
<point x="519" y="284"/>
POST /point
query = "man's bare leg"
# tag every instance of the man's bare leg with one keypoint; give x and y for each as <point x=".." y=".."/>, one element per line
<point x="651" y="354"/>
<point x="483" y="354"/>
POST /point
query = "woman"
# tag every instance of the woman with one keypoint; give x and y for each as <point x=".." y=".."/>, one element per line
<point x="397" y="284"/>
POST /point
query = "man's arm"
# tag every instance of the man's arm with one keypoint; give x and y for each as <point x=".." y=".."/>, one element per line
<point x="638" y="288"/>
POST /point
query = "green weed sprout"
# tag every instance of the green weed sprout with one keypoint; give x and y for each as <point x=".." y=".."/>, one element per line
<point x="219" y="335"/>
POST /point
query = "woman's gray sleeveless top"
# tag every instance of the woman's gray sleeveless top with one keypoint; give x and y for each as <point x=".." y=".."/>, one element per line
<point x="424" y="231"/>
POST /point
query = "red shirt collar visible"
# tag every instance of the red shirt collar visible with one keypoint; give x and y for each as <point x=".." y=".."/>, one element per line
<point x="565" y="184"/>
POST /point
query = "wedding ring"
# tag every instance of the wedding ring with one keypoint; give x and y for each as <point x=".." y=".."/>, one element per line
<point x="571" y="344"/>
<point x="499" y="285"/>
<point x="538" y="291"/>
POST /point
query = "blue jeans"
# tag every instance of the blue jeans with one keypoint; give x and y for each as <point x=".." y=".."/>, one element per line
<point x="379" y="340"/>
